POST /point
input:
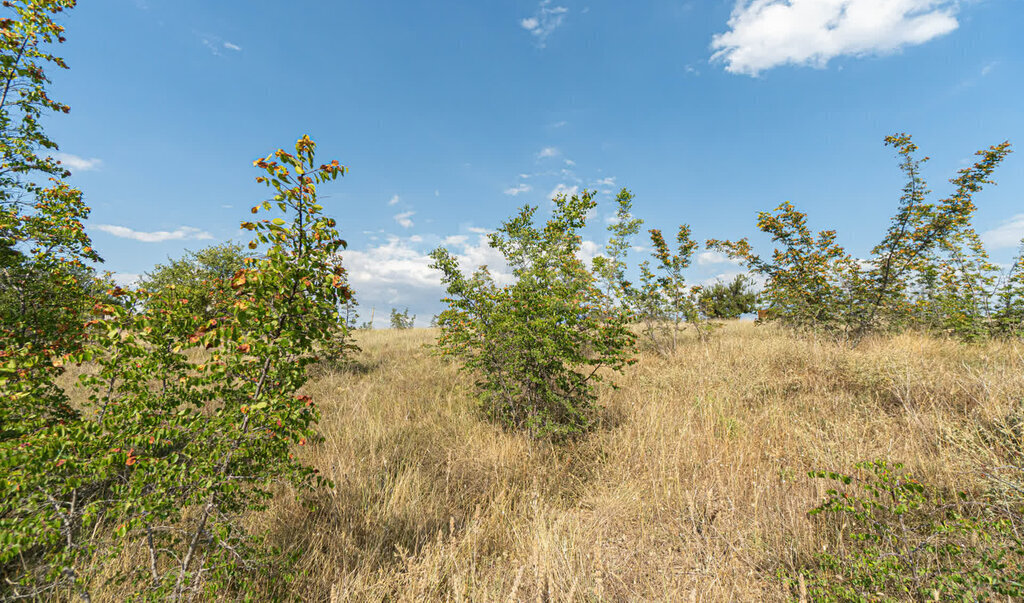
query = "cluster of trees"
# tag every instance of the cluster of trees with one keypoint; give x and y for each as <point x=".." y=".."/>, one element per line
<point x="930" y="271"/>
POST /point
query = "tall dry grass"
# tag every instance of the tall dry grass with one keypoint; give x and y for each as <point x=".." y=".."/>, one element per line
<point x="693" y="489"/>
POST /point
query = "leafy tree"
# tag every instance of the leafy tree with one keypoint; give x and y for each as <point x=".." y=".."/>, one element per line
<point x="932" y="248"/>
<point x="44" y="251"/>
<point x="1009" y="315"/>
<point x="808" y="277"/>
<point x="665" y="303"/>
<point x="190" y="422"/>
<point x="539" y="344"/>
<point x="728" y="300"/>
<point x="46" y="283"/>
<point x="611" y="267"/>
<point x="200" y="277"/>
<point x="930" y="270"/>
<point x="402" y="320"/>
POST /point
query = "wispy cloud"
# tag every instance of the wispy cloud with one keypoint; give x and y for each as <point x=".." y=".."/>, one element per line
<point x="216" y="45"/>
<point x="544" y="21"/>
<point x="394" y="200"/>
<point x="518" y="189"/>
<point x="404" y="219"/>
<point x="768" y="33"/>
<point x="159" y="236"/>
<point x="1008" y="234"/>
<point x="547" y="152"/>
<point x="78" y="164"/>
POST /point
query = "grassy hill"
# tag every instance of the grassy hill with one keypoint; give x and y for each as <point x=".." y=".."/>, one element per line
<point x="694" y="488"/>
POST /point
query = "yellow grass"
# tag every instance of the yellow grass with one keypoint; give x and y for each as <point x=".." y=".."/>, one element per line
<point x="695" y="488"/>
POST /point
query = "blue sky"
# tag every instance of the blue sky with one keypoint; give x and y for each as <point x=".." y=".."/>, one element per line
<point x="451" y="115"/>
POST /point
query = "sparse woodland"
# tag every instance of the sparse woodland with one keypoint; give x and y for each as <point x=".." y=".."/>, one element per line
<point x="223" y="432"/>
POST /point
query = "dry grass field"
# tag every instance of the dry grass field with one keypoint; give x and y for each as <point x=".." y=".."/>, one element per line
<point x="695" y="487"/>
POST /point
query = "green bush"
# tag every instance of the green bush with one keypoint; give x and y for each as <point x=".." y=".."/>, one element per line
<point x="538" y="345"/>
<point x="201" y="277"/>
<point x="402" y="320"/>
<point x="900" y="539"/>
<point x="728" y="300"/>
<point x="664" y="302"/>
<point x="190" y="422"/>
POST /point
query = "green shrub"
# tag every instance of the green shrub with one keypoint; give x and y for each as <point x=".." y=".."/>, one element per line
<point x="402" y="320"/>
<point x="201" y="277"/>
<point x="664" y="303"/>
<point x="728" y="300"/>
<point x="538" y="344"/>
<point x="190" y="421"/>
<point x="900" y="539"/>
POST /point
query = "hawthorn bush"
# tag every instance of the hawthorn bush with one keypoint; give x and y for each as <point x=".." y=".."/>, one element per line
<point x="190" y="420"/>
<point x="538" y="344"/>
<point x="46" y="286"/>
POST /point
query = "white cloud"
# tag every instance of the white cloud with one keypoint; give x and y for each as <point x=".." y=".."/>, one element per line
<point x="707" y="258"/>
<point x="768" y="33"/>
<point x="609" y="181"/>
<point x="570" y="162"/>
<point x="560" y="124"/>
<point x="1008" y="234"/>
<point x="126" y="279"/>
<point x="548" y="152"/>
<point x="544" y="22"/>
<point x="159" y="236"/>
<point x="393" y="263"/>
<point x="588" y="251"/>
<point x="518" y="189"/>
<point x="394" y="200"/>
<point x="404" y="219"/>
<point x="231" y="46"/>
<point x="563" y="189"/>
<point x="76" y="163"/>
<point x="398" y="273"/>
<point x="987" y="69"/>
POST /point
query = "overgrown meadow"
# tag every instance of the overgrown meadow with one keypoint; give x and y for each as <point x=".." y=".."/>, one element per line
<point x="227" y="428"/>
